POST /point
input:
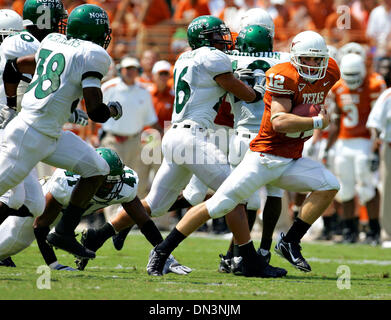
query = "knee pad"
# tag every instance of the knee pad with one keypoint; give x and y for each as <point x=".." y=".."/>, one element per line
<point x="218" y="207"/>
<point x="193" y="196"/>
<point x="365" y="193"/>
<point x="16" y="234"/>
<point x="14" y="198"/>
<point x="254" y="202"/>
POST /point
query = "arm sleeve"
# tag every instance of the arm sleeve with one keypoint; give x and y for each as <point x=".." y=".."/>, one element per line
<point x="96" y="63"/>
<point x="150" y="113"/>
<point x="217" y="62"/>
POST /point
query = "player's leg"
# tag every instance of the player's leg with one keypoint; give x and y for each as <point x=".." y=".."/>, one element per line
<point x="249" y="176"/>
<point x="74" y="154"/>
<point x="305" y="175"/>
<point x="23" y="149"/>
<point x="366" y="189"/>
<point x="345" y="171"/>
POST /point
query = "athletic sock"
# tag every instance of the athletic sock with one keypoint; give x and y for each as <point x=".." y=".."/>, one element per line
<point x="374" y="226"/>
<point x="266" y="244"/>
<point x="248" y="253"/>
<point x="251" y="217"/>
<point x="69" y="220"/>
<point x="106" y="231"/>
<point x="173" y="239"/>
<point x="297" y="231"/>
<point x="47" y="252"/>
<point x="151" y="233"/>
<point x="236" y="251"/>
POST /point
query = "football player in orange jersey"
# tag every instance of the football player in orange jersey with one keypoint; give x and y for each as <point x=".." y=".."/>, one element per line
<point x="275" y="154"/>
<point x="354" y="95"/>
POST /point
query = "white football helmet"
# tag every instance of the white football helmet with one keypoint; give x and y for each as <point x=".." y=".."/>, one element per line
<point x="257" y="16"/>
<point x="353" y="70"/>
<point x="311" y="45"/>
<point x="10" y="23"/>
<point x="333" y="52"/>
<point x="352" y="47"/>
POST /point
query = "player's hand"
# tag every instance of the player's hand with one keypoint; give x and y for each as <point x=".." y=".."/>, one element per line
<point x="260" y="87"/>
<point x="115" y="109"/>
<point x="79" y="117"/>
<point x="6" y="115"/>
<point x="325" y="158"/>
<point x="244" y="74"/>
<point x="325" y="117"/>
<point x="374" y="161"/>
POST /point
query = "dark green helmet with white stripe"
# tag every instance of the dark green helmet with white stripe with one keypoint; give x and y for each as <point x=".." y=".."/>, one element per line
<point x="206" y="31"/>
<point x="89" y="22"/>
<point x="254" y="38"/>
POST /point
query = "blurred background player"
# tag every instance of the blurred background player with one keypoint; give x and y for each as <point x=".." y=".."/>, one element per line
<point x="355" y="95"/>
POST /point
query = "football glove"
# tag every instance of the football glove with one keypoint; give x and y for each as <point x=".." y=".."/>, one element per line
<point x="117" y="106"/>
<point x="260" y="87"/>
<point x="6" y="115"/>
<point x="79" y="117"/>
<point x="244" y="75"/>
<point x="174" y="266"/>
<point x="374" y="161"/>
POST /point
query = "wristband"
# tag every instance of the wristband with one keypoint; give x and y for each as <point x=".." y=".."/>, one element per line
<point x="11" y="102"/>
<point x="318" y="122"/>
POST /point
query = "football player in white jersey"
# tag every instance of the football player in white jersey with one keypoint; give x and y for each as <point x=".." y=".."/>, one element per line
<point x="67" y="68"/>
<point x="26" y="197"/>
<point x="253" y="57"/>
<point x="202" y="78"/>
<point x="120" y="187"/>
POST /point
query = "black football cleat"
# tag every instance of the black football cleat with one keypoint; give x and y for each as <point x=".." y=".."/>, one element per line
<point x="262" y="270"/>
<point x="69" y="244"/>
<point x="265" y="254"/>
<point x="156" y="263"/>
<point x="119" y="238"/>
<point x="225" y="264"/>
<point x="90" y="240"/>
<point x="291" y="252"/>
<point x="236" y="266"/>
<point x="7" y="262"/>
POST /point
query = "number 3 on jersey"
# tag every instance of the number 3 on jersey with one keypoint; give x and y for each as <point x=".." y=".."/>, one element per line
<point x="47" y="82"/>
<point x="182" y="91"/>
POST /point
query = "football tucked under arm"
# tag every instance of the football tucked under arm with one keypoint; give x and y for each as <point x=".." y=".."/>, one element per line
<point x="306" y="110"/>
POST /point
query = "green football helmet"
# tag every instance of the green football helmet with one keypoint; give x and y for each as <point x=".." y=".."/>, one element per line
<point x="114" y="181"/>
<point x="35" y="13"/>
<point x="206" y="31"/>
<point x="254" y="38"/>
<point x="89" y="22"/>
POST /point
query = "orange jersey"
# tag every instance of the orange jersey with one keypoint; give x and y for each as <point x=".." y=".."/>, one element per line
<point x="354" y="106"/>
<point x="283" y="80"/>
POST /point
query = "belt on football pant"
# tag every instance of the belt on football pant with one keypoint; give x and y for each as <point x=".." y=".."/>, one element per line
<point x="186" y="126"/>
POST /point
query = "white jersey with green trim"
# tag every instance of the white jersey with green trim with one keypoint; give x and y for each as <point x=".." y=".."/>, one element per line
<point x="15" y="46"/>
<point x="197" y="94"/>
<point x="248" y="116"/>
<point x="62" y="182"/>
<point x="62" y="65"/>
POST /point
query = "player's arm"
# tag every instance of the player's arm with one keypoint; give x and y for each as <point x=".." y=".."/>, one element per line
<point x="238" y="88"/>
<point x="335" y="127"/>
<point x="96" y="109"/>
<point x="13" y="73"/>
<point x="285" y="122"/>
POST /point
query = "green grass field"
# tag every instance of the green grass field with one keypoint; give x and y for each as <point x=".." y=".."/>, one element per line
<point x="122" y="276"/>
